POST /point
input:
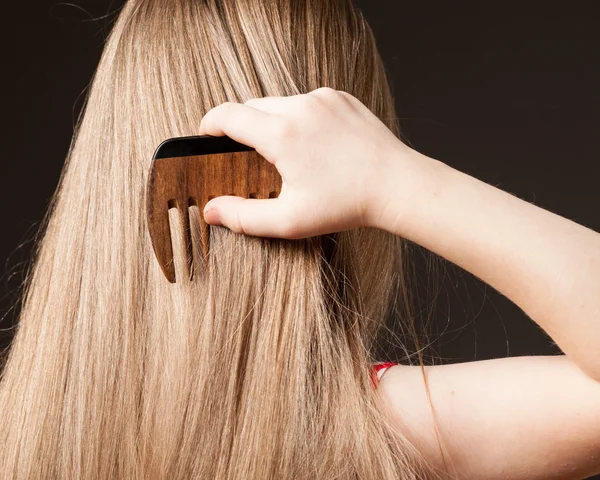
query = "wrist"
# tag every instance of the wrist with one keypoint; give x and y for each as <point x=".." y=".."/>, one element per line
<point x="405" y="179"/>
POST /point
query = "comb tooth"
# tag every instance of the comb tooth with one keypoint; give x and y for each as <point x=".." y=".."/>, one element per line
<point x="157" y="211"/>
<point x="205" y="231"/>
<point x="160" y="234"/>
<point x="199" y="237"/>
<point x="194" y="214"/>
<point x="187" y="234"/>
<point x="204" y="238"/>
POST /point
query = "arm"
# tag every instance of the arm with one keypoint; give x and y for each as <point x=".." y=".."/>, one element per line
<point x="518" y="418"/>
<point x="548" y="265"/>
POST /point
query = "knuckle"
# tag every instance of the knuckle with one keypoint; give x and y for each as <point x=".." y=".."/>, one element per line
<point x="324" y="98"/>
<point x="239" y="223"/>
<point x="346" y="96"/>
<point x="329" y="95"/>
<point x="326" y="92"/>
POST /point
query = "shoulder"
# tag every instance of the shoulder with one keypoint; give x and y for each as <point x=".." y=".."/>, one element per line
<point x="518" y="418"/>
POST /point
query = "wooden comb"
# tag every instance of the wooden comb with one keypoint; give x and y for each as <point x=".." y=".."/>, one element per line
<point x="191" y="171"/>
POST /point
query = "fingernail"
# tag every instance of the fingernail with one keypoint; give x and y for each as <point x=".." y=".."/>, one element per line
<point x="212" y="217"/>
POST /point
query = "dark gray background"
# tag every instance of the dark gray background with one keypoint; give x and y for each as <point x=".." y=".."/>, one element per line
<point x="508" y="96"/>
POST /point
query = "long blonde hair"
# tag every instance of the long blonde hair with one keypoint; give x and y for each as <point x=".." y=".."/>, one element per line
<point x="259" y="368"/>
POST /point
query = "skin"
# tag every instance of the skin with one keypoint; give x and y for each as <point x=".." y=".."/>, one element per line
<point x="508" y="418"/>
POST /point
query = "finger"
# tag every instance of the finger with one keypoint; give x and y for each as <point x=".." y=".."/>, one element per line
<point x="261" y="218"/>
<point x="244" y="124"/>
<point x="272" y="105"/>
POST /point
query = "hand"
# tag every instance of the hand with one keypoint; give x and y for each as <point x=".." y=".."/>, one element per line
<point x="331" y="152"/>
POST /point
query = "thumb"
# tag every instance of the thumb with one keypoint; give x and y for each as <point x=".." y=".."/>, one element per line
<point x="255" y="217"/>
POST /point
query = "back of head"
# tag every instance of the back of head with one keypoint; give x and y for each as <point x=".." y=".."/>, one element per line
<point x="259" y="367"/>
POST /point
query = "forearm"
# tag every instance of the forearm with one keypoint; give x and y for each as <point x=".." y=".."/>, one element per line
<point x="548" y="265"/>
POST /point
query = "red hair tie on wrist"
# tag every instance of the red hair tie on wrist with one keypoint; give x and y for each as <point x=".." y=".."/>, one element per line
<point x="378" y="370"/>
